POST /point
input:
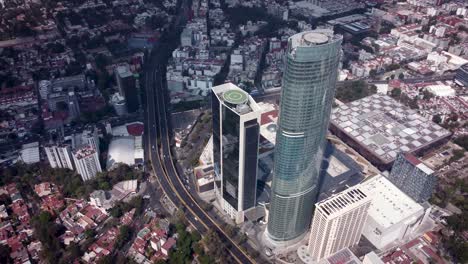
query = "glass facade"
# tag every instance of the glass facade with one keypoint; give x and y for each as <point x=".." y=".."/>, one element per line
<point x="412" y="177"/>
<point x="309" y="80"/>
<point x="216" y="140"/>
<point x="230" y="155"/>
<point x="252" y="131"/>
<point x="235" y="149"/>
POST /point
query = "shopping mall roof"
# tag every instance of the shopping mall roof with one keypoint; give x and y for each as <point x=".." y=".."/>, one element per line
<point x="389" y="204"/>
<point x="385" y="127"/>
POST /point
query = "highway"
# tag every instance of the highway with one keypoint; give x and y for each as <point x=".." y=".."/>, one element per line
<point x="157" y="127"/>
<point x="158" y="147"/>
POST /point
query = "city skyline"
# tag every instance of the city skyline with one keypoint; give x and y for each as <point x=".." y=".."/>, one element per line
<point x="233" y="131"/>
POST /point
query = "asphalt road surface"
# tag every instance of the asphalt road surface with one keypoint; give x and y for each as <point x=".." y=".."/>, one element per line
<point x="158" y="149"/>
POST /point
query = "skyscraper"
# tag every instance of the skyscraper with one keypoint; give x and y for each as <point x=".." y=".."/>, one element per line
<point x="126" y="82"/>
<point x="312" y="61"/>
<point x="338" y="224"/>
<point x="235" y="149"/>
<point x="413" y="177"/>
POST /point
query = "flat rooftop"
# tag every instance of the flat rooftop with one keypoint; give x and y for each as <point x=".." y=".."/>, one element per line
<point x="235" y="98"/>
<point x="341" y="202"/>
<point x="344" y="256"/>
<point x="313" y="38"/>
<point x="389" y="205"/>
<point x="385" y="127"/>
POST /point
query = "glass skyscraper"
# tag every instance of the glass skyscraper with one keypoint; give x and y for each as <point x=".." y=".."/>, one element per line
<point x="236" y="132"/>
<point x="311" y="69"/>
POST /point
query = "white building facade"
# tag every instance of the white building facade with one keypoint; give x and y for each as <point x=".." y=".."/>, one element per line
<point x="393" y="215"/>
<point x="337" y="224"/>
<point x="59" y="156"/>
<point x="87" y="163"/>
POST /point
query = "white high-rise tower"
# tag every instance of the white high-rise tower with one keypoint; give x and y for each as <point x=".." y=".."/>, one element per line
<point x="338" y="223"/>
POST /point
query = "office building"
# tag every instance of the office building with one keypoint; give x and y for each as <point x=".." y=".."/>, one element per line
<point x="338" y="224"/>
<point x="59" y="156"/>
<point x="311" y="69"/>
<point x="126" y="84"/>
<point x="393" y="215"/>
<point x="87" y="162"/>
<point x="236" y="126"/>
<point x="413" y="177"/>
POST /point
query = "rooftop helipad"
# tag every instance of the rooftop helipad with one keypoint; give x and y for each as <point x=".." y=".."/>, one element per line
<point x="235" y="97"/>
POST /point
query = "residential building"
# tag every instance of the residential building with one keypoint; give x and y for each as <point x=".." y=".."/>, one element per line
<point x="90" y="137"/>
<point x="87" y="162"/>
<point x="311" y="72"/>
<point x="236" y="126"/>
<point x="338" y="224"/>
<point x="59" y="156"/>
<point x="413" y="177"/>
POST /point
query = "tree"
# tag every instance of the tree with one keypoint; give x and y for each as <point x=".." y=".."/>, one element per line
<point x="462" y="141"/>
<point x="123" y="237"/>
<point x="457" y="154"/>
<point x="372" y="73"/>
<point x="395" y="93"/>
<point x="401" y="76"/>
<point x="90" y="233"/>
<point x="437" y="119"/>
<point x="137" y="203"/>
<point x="46" y="231"/>
<point x="5" y="254"/>
<point x="353" y="90"/>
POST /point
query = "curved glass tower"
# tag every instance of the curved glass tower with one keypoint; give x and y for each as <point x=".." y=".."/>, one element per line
<point x="312" y="61"/>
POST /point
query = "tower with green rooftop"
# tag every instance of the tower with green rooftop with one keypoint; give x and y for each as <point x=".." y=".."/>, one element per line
<point x="236" y="127"/>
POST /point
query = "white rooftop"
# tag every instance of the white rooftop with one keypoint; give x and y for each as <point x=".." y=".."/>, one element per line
<point x="30" y="153"/>
<point x="268" y="131"/>
<point x="389" y="205"/>
<point x="121" y="150"/>
<point x="385" y="127"/>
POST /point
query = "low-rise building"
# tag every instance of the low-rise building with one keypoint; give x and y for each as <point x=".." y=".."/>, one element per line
<point x="393" y="215"/>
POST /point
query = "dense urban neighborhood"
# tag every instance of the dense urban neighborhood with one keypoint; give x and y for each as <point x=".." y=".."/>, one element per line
<point x="234" y="131"/>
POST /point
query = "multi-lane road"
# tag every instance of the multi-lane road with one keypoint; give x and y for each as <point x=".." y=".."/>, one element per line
<point x="158" y="145"/>
<point x="158" y="131"/>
